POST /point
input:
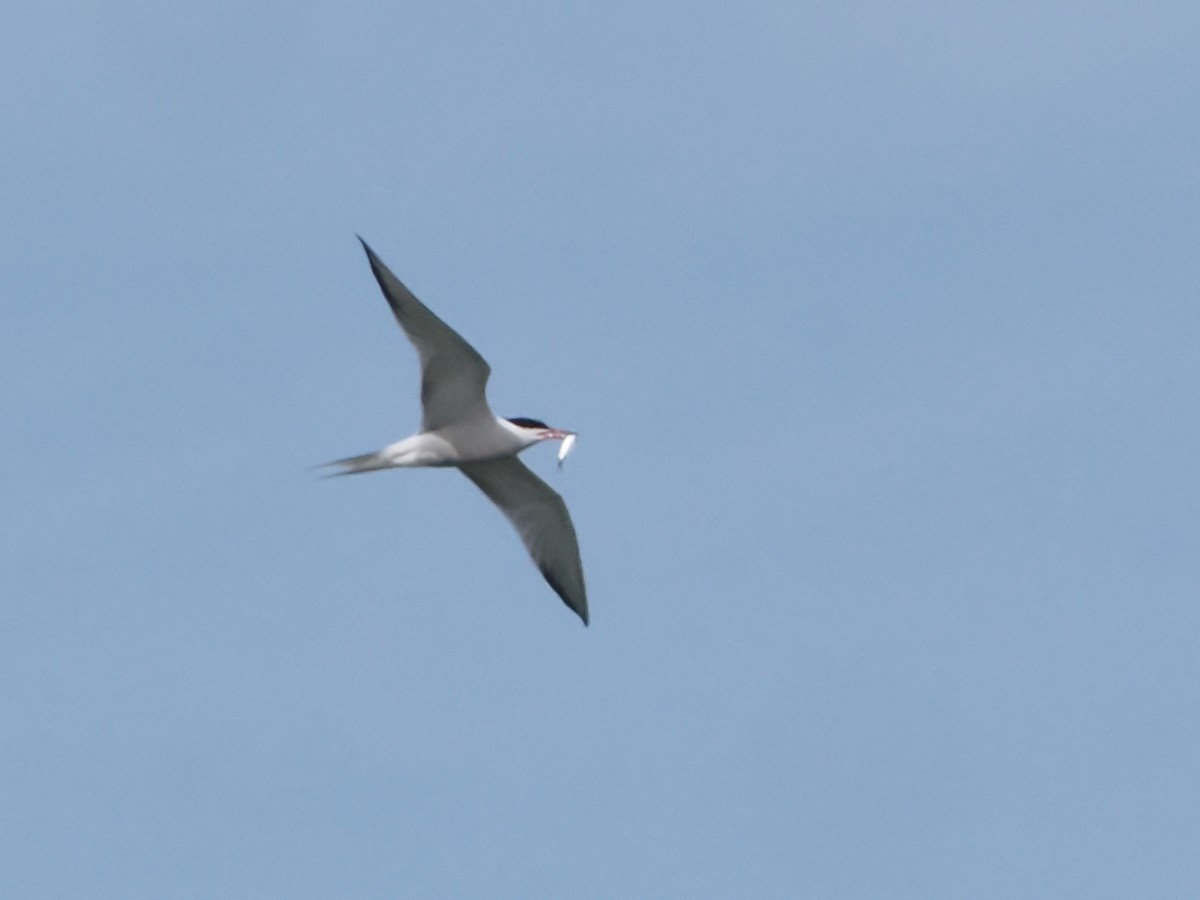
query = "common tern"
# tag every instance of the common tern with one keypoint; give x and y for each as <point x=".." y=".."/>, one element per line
<point x="459" y="429"/>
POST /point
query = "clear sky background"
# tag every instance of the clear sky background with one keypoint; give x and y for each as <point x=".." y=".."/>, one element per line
<point x="879" y="323"/>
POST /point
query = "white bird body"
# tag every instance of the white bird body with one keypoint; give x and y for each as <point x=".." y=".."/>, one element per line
<point x="452" y="445"/>
<point x="459" y="429"/>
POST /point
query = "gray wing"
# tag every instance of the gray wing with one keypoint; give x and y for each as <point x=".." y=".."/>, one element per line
<point x="541" y="518"/>
<point x="453" y="374"/>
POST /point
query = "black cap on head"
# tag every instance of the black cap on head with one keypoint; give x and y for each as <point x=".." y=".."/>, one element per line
<point x="528" y="423"/>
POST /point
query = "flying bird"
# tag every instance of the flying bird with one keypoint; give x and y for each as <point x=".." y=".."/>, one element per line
<point x="459" y="429"/>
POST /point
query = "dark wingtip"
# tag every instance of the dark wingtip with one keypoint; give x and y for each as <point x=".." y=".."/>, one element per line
<point x="581" y="610"/>
<point x="378" y="269"/>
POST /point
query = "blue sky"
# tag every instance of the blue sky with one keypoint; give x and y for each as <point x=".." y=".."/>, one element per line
<point x="879" y="325"/>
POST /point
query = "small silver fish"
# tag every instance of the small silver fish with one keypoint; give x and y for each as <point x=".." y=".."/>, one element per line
<point x="565" y="448"/>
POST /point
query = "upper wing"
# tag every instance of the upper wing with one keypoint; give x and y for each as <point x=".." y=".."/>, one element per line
<point x="541" y="518"/>
<point x="453" y="374"/>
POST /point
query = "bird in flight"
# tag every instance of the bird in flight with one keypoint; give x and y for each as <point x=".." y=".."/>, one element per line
<point x="459" y="429"/>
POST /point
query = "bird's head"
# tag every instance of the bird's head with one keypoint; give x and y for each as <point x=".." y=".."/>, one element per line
<point x="537" y="430"/>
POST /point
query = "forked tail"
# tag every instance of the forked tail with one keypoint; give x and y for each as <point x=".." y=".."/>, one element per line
<point x="352" y="465"/>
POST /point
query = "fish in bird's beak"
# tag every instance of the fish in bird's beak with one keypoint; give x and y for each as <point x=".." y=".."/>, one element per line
<point x="568" y="442"/>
